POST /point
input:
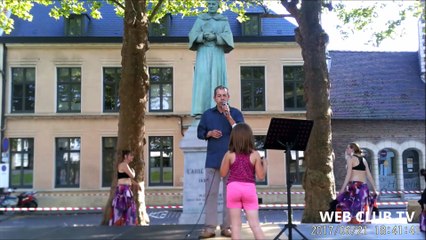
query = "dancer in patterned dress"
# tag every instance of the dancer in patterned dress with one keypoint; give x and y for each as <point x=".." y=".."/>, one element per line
<point x="123" y="204"/>
<point x="354" y="196"/>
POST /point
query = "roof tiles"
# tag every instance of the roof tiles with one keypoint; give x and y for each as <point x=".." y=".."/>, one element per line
<point x="376" y="85"/>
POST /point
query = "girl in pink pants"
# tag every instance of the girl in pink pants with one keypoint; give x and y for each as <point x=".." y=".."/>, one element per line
<point x="243" y="163"/>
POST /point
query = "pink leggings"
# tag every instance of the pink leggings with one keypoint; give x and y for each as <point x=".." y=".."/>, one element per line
<point x="241" y="195"/>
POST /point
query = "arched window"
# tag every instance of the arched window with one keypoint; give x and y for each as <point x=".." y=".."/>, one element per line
<point x="386" y="162"/>
<point x="387" y="170"/>
<point x="410" y="164"/>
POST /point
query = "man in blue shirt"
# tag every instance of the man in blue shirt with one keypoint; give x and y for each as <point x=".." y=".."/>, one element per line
<point x="215" y="126"/>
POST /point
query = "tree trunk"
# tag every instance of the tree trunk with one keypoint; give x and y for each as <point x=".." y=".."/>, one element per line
<point x="318" y="180"/>
<point x="134" y="85"/>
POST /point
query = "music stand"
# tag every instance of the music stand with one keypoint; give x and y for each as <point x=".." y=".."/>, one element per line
<point x="288" y="134"/>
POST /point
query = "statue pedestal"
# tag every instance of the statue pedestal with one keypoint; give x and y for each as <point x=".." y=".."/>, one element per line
<point x="194" y="151"/>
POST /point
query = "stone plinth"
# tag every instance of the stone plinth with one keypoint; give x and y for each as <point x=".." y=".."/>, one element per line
<point x="194" y="178"/>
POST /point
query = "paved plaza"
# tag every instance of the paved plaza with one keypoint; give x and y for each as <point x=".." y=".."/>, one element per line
<point x="164" y="225"/>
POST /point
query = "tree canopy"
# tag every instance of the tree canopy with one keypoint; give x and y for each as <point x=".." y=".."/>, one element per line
<point x="356" y="16"/>
<point x="156" y="9"/>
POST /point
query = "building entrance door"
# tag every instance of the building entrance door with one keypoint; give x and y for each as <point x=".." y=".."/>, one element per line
<point x="411" y="170"/>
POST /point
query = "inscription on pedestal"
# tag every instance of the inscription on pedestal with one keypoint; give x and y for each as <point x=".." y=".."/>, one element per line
<point x="194" y="178"/>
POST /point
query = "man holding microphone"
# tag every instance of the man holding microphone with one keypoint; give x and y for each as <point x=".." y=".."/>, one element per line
<point x="215" y="127"/>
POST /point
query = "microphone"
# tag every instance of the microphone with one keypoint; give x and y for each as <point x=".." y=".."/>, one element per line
<point x="224" y="108"/>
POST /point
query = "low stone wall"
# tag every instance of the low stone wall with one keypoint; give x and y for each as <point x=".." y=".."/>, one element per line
<point x="278" y="195"/>
<point x="72" y="199"/>
<point x="414" y="206"/>
<point x="153" y="197"/>
<point x="163" y="197"/>
<point x="100" y="198"/>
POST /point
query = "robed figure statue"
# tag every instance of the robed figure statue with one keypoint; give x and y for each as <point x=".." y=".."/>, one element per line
<point x="211" y="37"/>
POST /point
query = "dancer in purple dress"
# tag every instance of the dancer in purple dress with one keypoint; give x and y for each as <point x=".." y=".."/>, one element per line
<point x="354" y="196"/>
<point x="123" y="205"/>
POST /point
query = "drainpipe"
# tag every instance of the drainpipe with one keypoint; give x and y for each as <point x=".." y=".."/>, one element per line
<point x="3" y="89"/>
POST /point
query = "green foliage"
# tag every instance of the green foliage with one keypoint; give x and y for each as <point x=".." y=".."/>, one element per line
<point x="64" y="8"/>
<point x="354" y="19"/>
<point x="184" y="7"/>
<point x="19" y="8"/>
<point x="365" y="14"/>
<point x="238" y="7"/>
